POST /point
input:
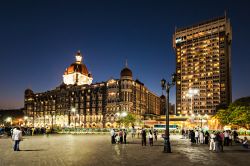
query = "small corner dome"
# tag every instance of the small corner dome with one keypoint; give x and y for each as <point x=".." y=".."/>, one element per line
<point x="163" y="97"/>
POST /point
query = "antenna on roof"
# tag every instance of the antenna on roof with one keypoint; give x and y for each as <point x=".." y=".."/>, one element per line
<point x="225" y="13"/>
<point x="126" y="63"/>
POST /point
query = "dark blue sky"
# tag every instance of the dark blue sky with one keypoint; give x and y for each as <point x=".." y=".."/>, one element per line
<point x="38" y="40"/>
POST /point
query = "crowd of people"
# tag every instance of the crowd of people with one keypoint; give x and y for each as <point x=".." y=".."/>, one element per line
<point x="30" y="131"/>
<point x="215" y="139"/>
<point x="120" y="136"/>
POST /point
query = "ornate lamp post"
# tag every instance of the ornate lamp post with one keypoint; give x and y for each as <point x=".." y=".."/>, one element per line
<point x="74" y="111"/>
<point x="9" y="120"/>
<point x="52" y="122"/>
<point x="191" y="94"/>
<point x="25" y="120"/>
<point x="167" y="86"/>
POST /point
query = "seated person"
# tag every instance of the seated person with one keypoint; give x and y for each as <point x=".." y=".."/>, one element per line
<point x="245" y="142"/>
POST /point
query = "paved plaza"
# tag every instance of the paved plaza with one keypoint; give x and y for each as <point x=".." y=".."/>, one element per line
<point x="64" y="150"/>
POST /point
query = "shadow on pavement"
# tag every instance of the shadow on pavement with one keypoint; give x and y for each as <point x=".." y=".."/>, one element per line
<point x="30" y="150"/>
<point x="237" y="151"/>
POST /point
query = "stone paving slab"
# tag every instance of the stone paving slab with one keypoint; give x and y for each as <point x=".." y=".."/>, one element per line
<point x="74" y="150"/>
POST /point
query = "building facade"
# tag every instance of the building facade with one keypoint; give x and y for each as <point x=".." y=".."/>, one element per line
<point x="203" y="65"/>
<point x="79" y="102"/>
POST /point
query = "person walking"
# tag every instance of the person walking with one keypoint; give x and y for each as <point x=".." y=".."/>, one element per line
<point x="17" y="137"/>
<point x="143" y="137"/>
<point x="150" y="136"/>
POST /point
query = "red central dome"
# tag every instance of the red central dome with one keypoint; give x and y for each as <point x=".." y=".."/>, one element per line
<point x="75" y="67"/>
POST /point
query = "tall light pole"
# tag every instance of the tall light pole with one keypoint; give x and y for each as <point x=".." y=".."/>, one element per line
<point x="25" y="120"/>
<point x="201" y="118"/>
<point x="9" y="120"/>
<point x="52" y="126"/>
<point x="191" y="93"/>
<point x="167" y="86"/>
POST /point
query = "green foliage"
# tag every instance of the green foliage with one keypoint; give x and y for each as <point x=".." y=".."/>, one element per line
<point x="238" y="113"/>
<point x="127" y="120"/>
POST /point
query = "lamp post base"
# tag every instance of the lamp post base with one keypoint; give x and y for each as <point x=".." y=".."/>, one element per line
<point x="167" y="147"/>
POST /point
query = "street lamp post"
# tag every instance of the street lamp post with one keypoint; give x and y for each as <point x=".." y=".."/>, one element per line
<point x="74" y="110"/>
<point x="9" y="120"/>
<point x="191" y="93"/>
<point x="52" y="114"/>
<point x="25" y="120"/>
<point x="167" y="86"/>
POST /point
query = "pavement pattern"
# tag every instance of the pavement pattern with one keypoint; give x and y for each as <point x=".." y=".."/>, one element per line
<point x="95" y="150"/>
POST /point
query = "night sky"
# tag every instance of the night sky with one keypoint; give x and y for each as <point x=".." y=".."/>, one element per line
<point x="38" y="40"/>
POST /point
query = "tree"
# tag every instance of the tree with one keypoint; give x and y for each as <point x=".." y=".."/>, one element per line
<point x="238" y="113"/>
<point x="127" y="120"/>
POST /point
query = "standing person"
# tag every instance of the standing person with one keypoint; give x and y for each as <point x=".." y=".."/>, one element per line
<point x="150" y="136"/>
<point x="133" y="132"/>
<point x="192" y="136"/>
<point x="202" y="137"/>
<point x="196" y="136"/>
<point x="226" y="138"/>
<point x="219" y="138"/>
<point x="125" y="136"/>
<point x="138" y="133"/>
<point x="143" y="137"/>
<point x="183" y="133"/>
<point x="117" y="138"/>
<point x="155" y="134"/>
<point x="235" y="134"/>
<point x="32" y="131"/>
<point x="206" y="137"/>
<point x="212" y="141"/>
<point x="112" y="134"/>
<point x="121" y="136"/>
<point x="230" y="138"/>
<point x="17" y="137"/>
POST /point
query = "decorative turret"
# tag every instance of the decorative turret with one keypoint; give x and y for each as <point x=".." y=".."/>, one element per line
<point x="126" y="73"/>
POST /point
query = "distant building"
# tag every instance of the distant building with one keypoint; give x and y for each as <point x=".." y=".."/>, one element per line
<point x="203" y="64"/>
<point x="80" y="102"/>
<point x="11" y="116"/>
<point x="164" y="106"/>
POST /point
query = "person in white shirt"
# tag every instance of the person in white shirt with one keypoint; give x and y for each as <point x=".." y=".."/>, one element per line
<point x="201" y="137"/>
<point x="196" y="136"/>
<point x="212" y="141"/>
<point x="226" y="138"/>
<point x="112" y="133"/>
<point x="17" y="137"/>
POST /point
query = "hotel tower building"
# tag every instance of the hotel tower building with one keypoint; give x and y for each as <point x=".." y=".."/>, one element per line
<point x="203" y="66"/>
